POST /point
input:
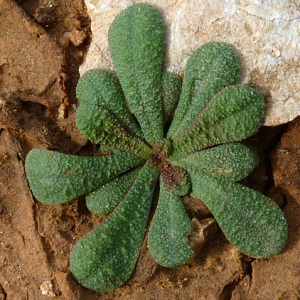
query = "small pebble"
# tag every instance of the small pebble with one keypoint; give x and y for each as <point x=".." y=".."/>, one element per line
<point x="202" y="231"/>
<point x="64" y="41"/>
<point x="78" y="37"/>
<point x="47" y="289"/>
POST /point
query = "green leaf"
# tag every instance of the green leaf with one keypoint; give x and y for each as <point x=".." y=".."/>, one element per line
<point x="136" y="41"/>
<point x="168" y="241"/>
<point x="171" y="86"/>
<point x="232" y="115"/>
<point x="229" y="162"/>
<point x="56" y="178"/>
<point x="102" y="88"/>
<point x="105" y="129"/>
<point x="251" y="221"/>
<point x="210" y="68"/>
<point x="103" y="200"/>
<point x="105" y="258"/>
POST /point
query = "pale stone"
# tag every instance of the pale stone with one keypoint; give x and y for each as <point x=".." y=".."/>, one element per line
<point x="265" y="33"/>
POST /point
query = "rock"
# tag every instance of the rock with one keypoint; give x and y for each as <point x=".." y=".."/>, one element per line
<point x="47" y="289"/>
<point x="202" y="231"/>
<point x="265" y="33"/>
<point x="78" y="37"/>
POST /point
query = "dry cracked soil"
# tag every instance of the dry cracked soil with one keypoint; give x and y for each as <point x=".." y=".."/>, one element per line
<point x="42" y="44"/>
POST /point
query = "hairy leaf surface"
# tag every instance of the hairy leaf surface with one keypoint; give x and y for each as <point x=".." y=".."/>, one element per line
<point x="168" y="234"/>
<point x="136" y="42"/>
<point x="102" y="88"/>
<point x="104" y="128"/>
<point x="103" y="200"/>
<point x="171" y="86"/>
<point x="56" y="178"/>
<point x="105" y="258"/>
<point x="232" y="115"/>
<point x="229" y="162"/>
<point x="210" y="68"/>
<point x="251" y="221"/>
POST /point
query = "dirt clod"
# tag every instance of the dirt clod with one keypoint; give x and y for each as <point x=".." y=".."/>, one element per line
<point x="78" y="37"/>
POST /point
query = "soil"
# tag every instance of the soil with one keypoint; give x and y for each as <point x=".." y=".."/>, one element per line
<point x="42" y="44"/>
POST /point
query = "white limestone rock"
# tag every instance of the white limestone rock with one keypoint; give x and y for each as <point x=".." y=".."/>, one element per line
<point x="265" y="33"/>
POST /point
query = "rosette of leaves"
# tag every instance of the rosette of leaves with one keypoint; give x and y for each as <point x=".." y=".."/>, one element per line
<point x="196" y="151"/>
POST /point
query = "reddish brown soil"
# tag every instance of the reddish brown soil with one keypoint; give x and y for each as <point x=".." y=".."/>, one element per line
<point x="38" y="75"/>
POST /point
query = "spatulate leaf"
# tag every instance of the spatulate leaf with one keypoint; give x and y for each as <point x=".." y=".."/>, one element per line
<point x="229" y="162"/>
<point x="102" y="88"/>
<point x="168" y="241"/>
<point x="136" y="42"/>
<point x="232" y="115"/>
<point x="56" y="178"/>
<point x="210" y="68"/>
<point x="104" y="128"/>
<point x="251" y="221"/>
<point x="105" y="258"/>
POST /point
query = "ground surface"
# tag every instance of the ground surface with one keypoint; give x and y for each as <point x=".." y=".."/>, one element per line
<point x="42" y="44"/>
